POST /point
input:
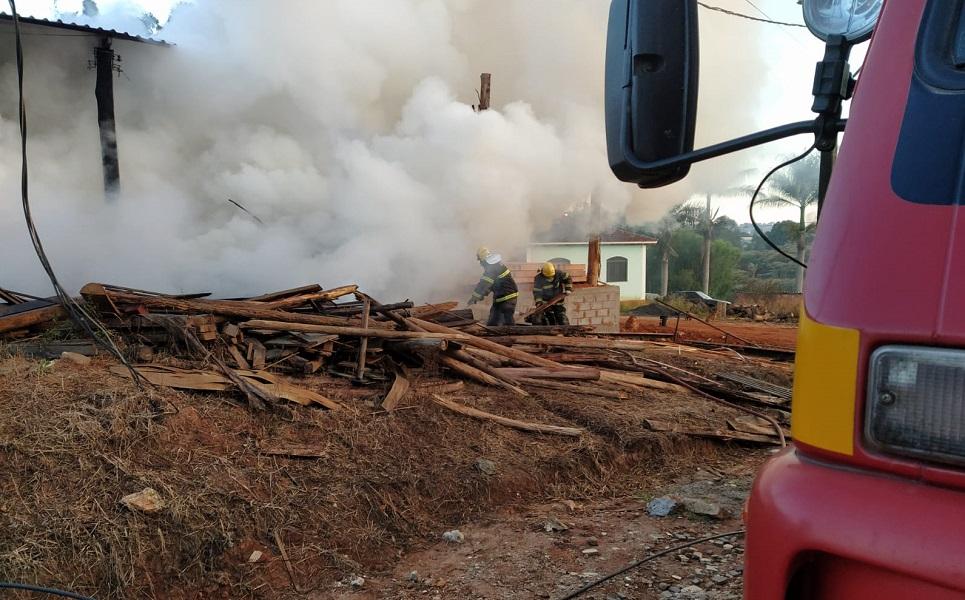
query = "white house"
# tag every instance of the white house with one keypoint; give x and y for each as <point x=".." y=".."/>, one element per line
<point x="623" y="258"/>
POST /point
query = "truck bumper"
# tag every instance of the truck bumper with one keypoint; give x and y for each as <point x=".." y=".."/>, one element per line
<point x="816" y="530"/>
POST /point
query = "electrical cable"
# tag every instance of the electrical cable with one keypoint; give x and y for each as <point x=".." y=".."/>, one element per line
<point x="749" y="17"/>
<point x="760" y="186"/>
<point x="6" y="585"/>
<point x="77" y="313"/>
<point x="637" y="563"/>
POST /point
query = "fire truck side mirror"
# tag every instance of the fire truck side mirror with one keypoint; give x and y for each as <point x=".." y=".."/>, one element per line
<point x="651" y="87"/>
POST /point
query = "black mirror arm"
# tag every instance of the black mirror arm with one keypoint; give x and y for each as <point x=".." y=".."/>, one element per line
<point x="815" y="127"/>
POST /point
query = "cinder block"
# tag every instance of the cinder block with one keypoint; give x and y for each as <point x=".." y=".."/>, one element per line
<point x="596" y="321"/>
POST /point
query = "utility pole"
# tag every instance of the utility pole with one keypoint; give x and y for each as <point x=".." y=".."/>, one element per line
<point x="105" y="63"/>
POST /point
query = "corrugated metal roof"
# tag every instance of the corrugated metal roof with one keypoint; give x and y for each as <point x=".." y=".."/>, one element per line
<point x="97" y="31"/>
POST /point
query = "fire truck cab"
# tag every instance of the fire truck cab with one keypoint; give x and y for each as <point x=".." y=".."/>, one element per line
<point x="869" y="501"/>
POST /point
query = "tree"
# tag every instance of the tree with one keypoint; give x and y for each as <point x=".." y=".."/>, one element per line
<point x="686" y="272"/>
<point x="726" y="257"/>
<point x="665" y="243"/>
<point x="783" y="233"/>
<point x="702" y="219"/>
<point x="728" y="230"/>
<point x="795" y="186"/>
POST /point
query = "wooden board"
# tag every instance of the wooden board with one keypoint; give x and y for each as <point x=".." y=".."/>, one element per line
<point x="583" y="389"/>
<point x="577" y="373"/>
<point x="192" y="379"/>
<point x="272" y="296"/>
<point x="634" y="379"/>
<point x="21" y="317"/>
<point x="571" y="342"/>
<point x="109" y="301"/>
<point x="399" y="388"/>
<point x="389" y="334"/>
<point x="505" y="421"/>
<point x="722" y="435"/>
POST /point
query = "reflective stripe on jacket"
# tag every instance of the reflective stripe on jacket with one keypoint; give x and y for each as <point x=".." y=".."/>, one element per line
<point x="499" y="280"/>
<point x="547" y="288"/>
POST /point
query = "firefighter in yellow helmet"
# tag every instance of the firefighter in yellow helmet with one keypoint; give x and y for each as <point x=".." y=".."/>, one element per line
<point x="496" y="278"/>
<point x="549" y="283"/>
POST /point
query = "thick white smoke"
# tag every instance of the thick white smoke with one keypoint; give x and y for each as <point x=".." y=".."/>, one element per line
<point x="343" y="125"/>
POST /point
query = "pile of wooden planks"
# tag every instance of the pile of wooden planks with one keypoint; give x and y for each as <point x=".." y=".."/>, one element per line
<point x="255" y="346"/>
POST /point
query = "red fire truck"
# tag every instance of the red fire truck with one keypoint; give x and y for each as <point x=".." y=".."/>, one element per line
<point x="869" y="502"/>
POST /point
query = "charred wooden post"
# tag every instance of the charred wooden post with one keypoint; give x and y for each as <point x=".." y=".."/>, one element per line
<point x="593" y="262"/>
<point x="364" y="342"/>
<point x="485" y="91"/>
<point x="104" y="65"/>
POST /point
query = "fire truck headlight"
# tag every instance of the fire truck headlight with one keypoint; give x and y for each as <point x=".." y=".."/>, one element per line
<point x="916" y="403"/>
<point x="854" y="19"/>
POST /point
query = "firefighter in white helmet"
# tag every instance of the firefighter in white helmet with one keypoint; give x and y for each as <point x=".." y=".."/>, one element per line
<point x="496" y="278"/>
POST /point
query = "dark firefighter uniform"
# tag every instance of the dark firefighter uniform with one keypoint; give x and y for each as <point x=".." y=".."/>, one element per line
<point x="499" y="280"/>
<point x="548" y="284"/>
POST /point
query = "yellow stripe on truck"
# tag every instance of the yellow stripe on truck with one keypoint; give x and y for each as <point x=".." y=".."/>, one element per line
<point x="825" y="376"/>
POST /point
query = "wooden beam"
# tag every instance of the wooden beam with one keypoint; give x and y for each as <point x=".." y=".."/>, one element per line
<point x="577" y="373"/>
<point x="502" y="380"/>
<point x="303" y="299"/>
<point x="485" y="90"/>
<point x="272" y="296"/>
<point x="110" y="299"/>
<point x="507" y="422"/>
<point x="467" y="371"/>
<point x="389" y="334"/>
<point x="634" y="379"/>
<point x="364" y="342"/>
<point x="572" y="342"/>
<point x="593" y="262"/>
<point x="483" y="343"/>
<point x="30" y="318"/>
<point x="581" y="389"/>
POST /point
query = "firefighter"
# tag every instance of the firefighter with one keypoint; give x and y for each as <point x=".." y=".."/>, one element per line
<point x="548" y="284"/>
<point x="496" y="278"/>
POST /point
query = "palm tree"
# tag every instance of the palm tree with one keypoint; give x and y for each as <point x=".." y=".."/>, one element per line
<point x="700" y="218"/>
<point x="665" y="242"/>
<point x="797" y="187"/>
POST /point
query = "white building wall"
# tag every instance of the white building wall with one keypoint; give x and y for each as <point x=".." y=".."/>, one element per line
<point x="636" y="254"/>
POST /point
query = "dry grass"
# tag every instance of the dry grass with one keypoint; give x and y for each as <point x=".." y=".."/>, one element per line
<point x="74" y="440"/>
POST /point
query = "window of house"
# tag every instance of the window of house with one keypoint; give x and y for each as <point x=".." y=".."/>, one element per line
<point x="616" y="269"/>
<point x="559" y="261"/>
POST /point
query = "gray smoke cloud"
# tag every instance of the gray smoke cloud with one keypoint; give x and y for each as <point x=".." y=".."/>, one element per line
<point x="345" y="126"/>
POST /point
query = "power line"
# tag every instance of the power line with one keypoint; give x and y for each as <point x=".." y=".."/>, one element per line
<point x="749" y="17"/>
<point x="758" y="9"/>
<point x="76" y="311"/>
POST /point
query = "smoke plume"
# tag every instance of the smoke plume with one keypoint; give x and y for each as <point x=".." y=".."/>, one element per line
<point x="345" y="127"/>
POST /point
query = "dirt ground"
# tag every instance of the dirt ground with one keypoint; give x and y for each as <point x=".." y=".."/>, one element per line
<point x="241" y="519"/>
<point x="520" y="553"/>
<point x="776" y="335"/>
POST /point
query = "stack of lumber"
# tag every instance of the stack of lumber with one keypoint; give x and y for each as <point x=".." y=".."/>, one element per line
<point x="255" y="346"/>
